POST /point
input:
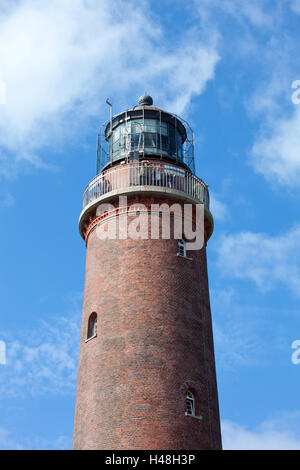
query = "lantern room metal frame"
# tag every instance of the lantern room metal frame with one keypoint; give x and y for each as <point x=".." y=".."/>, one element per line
<point x="137" y="150"/>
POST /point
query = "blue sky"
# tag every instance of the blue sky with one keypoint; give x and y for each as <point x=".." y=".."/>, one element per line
<point x="225" y="66"/>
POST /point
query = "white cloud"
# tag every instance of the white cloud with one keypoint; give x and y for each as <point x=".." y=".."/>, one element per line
<point x="218" y="208"/>
<point x="277" y="156"/>
<point x="29" y="442"/>
<point x="255" y="13"/>
<point x="269" y="435"/>
<point x="275" y="152"/>
<point x="273" y="56"/>
<point x="234" y="345"/>
<point x="261" y="258"/>
<point x="187" y="73"/>
<point x="61" y="59"/>
<point x="236" y="337"/>
<point x="42" y="361"/>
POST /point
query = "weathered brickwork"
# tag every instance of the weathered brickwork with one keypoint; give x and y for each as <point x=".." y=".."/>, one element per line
<point x="154" y="342"/>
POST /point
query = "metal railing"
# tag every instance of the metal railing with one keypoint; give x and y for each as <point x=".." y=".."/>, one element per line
<point x="146" y="174"/>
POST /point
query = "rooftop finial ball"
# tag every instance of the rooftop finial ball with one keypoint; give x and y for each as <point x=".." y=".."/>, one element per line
<point x="145" y="100"/>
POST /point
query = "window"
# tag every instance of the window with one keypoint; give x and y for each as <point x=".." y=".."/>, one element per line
<point x="181" y="248"/>
<point x="190" y="404"/>
<point x="92" y="326"/>
<point x="149" y="135"/>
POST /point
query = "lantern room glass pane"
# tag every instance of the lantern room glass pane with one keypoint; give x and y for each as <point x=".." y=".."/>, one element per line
<point x="172" y="141"/>
<point x="149" y="135"/>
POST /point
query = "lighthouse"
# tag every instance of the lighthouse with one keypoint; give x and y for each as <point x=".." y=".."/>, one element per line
<point x="146" y="372"/>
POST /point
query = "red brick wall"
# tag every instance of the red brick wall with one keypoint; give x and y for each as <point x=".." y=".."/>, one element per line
<point x="154" y="342"/>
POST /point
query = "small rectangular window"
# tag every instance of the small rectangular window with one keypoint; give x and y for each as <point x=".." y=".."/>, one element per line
<point x="190" y="404"/>
<point x="181" y="248"/>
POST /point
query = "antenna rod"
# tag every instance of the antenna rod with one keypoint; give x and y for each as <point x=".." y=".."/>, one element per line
<point x="109" y="104"/>
<point x="110" y="143"/>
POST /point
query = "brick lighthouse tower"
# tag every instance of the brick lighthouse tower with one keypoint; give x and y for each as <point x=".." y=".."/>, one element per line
<point x="146" y="375"/>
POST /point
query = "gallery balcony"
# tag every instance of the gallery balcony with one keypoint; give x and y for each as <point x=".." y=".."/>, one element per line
<point x="145" y="178"/>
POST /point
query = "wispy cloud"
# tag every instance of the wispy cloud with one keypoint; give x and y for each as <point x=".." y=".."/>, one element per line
<point x="256" y="13"/>
<point x="60" y="59"/>
<point x="236" y="333"/>
<point x="235" y="347"/>
<point x="7" y="200"/>
<point x="218" y="208"/>
<point x="9" y="442"/>
<point x="42" y="361"/>
<point x="260" y="39"/>
<point x="261" y="258"/>
<point x="276" y="152"/>
<point x="295" y="6"/>
<point x="281" y="433"/>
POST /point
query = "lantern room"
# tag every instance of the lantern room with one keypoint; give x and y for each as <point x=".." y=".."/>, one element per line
<point x="145" y="131"/>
